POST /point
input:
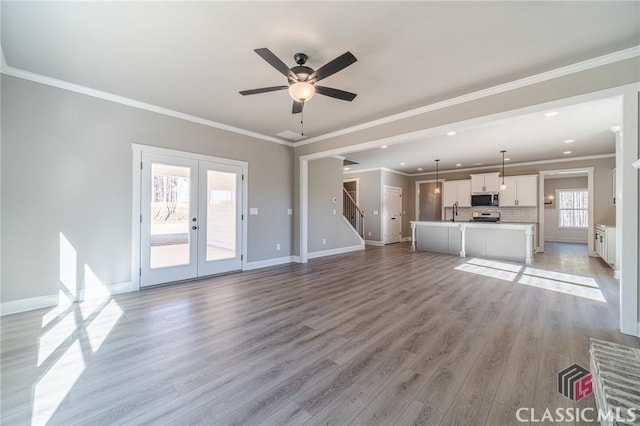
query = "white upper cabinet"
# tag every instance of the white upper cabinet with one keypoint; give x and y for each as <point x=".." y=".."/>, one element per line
<point x="485" y="182"/>
<point x="457" y="191"/>
<point x="521" y="191"/>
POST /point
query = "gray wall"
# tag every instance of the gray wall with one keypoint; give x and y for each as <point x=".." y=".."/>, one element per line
<point x="325" y="215"/>
<point x="67" y="169"/>
<point x="551" y="230"/>
<point x="369" y="188"/>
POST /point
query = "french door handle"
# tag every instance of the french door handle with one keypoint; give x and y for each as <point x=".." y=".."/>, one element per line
<point x="194" y="219"/>
<point x="194" y="227"/>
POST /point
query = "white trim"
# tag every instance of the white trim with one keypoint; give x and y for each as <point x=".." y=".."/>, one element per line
<point x="353" y="230"/>
<point x="331" y="252"/>
<point x="383" y="212"/>
<point x="476" y="121"/>
<point x="88" y="91"/>
<point x="416" y="201"/>
<point x="636" y="164"/>
<point x="296" y="259"/>
<point x="555" y="239"/>
<point x="357" y="181"/>
<point x="590" y="188"/>
<point x="249" y="266"/>
<point x="374" y="243"/>
<point x="40" y="302"/>
<point x="627" y="205"/>
<point x="28" y="304"/>
<point x="501" y="88"/>
<point x="528" y="163"/>
<point x="405" y="239"/>
<point x="138" y="149"/>
<point x="304" y="209"/>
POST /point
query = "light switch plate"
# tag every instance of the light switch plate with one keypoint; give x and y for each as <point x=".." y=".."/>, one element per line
<point x="253" y="211"/>
<point x="375" y="212"/>
<point x="289" y="212"/>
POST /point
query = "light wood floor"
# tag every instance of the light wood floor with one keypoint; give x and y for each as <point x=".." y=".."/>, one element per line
<point x="384" y="337"/>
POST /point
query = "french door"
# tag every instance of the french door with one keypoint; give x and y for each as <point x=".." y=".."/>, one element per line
<point x="191" y="218"/>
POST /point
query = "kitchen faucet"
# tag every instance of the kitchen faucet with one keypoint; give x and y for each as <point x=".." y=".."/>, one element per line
<point x="454" y="212"/>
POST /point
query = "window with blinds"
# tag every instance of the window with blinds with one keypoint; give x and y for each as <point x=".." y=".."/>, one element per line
<point x="573" y="208"/>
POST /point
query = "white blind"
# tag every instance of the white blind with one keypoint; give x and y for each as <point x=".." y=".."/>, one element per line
<point x="573" y="208"/>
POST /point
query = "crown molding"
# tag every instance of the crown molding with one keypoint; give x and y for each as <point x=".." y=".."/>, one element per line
<point x="83" y="90"/>
<point x="511" y="165"/>
<point x="516" y="84"/>
<point x="501" y="88"/>
<point x="376" y="169"/>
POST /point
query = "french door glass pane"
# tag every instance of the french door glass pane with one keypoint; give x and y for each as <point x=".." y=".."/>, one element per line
<point x="221" y="215"/>
<point x="169" y="215"/>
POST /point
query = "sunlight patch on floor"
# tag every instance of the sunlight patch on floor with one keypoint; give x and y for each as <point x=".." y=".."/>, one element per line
<point x="561" y="276"/>
<point x="491" y="268"/>
<point x="563" y="287"/>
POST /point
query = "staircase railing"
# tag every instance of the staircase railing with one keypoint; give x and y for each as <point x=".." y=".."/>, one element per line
<point x="352" y="212"/>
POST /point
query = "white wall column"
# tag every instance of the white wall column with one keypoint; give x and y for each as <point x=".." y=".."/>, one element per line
<point x="627" y="213"/>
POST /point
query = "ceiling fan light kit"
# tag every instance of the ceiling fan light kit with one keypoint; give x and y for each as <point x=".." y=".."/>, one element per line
<point x="302" y="80"/>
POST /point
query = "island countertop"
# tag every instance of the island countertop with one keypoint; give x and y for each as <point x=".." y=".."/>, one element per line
<point x="513" y="241"/>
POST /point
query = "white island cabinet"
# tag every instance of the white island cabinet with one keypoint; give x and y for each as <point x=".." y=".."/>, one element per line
<point x="511" y="241"/>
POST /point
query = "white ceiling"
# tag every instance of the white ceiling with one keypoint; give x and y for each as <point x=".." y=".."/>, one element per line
<point x="530" y="137"/>
<point x="195" y="57"/>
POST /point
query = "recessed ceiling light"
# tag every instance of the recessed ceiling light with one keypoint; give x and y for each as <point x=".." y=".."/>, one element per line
<point x="402" y="164"/>
<point x="507" y="159"/>
<point x="458" y="164"/>
<point x="347" y="168"/>
<point x="551" y="113"/>
<point x="384" y="146"/>
<point x="569" y="141"/>
<point x="567" y="152"/>
<point x="477" y="164"/>
<point x="420" y="169"/>
<point x="451" y="133"/>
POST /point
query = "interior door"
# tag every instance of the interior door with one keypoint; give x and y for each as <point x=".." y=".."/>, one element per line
<point x="169" y="193"/>
<point x="191" y="219"/>
<point x="393" y="214"/>
<point x="220" y="216"/>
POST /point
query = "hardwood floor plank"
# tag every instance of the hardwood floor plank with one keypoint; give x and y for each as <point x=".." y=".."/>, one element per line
<point x="382" y="336"/>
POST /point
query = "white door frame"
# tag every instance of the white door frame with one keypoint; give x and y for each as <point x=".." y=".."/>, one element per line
<point x="357" y="181"/>
<point x="417" y="196"/>
<point x="136" y="209"/>
<point x="548" y="174"/>
<point x="384" y="212"/>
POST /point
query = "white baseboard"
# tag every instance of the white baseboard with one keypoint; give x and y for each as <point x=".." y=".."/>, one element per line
<point x="268" y="262"/>
<point x="29" y="304"/>
<point x="33" y="303"/>
<point x="341" y="250"/>
<point x="296" y="259"/>
<point x="374" y="243"/>
<point x="616" y="275"/>
<point x="405" y="239"/>
<point x="565" y="240"/>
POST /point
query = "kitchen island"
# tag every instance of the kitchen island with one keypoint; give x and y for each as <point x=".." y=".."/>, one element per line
<point x="511" y="241"/>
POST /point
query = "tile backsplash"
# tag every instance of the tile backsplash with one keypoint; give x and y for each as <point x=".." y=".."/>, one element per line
<point x="507" y="214"/>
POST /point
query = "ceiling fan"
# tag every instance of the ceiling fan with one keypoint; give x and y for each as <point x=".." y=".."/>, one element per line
<point x="302" y="79"/>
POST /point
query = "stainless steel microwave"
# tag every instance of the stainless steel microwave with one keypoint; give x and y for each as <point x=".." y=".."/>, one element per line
<point x="489" y="200"/>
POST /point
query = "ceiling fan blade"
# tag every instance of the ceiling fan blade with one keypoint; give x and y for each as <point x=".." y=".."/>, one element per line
<point x="275" y="62"/>
<point x="263" y="90"/>
<point x="336" y="93"/>
<point x="330" y="68"/>
<point x="297" y="107"/>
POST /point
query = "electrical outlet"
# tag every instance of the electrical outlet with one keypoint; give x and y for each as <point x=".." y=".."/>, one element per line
<point x="324" y="241"/>
<point x="369" y="233"/>
<point x="278" y="246"/>
<point x="334" y="211"/>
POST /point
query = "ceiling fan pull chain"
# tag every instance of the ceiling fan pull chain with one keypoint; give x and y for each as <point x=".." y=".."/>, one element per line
<point x="302" y="123"/>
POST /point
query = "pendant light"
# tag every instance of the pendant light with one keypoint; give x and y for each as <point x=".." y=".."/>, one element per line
<point x="504" y="185"/>
<point x="437" y="191"/>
